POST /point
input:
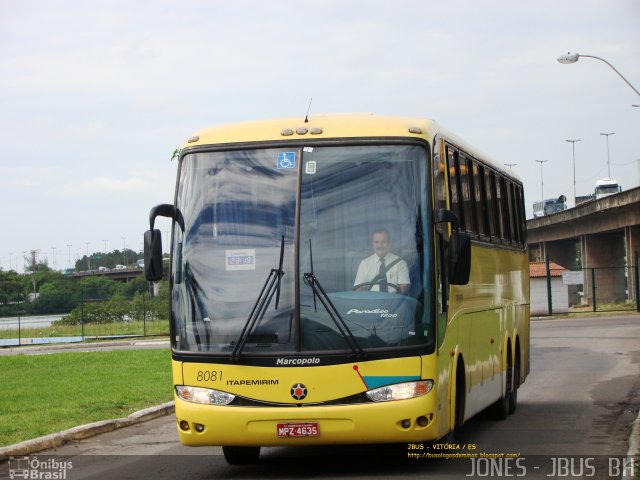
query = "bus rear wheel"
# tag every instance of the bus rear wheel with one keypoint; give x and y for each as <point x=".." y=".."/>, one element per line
<point x="513" y="398"/>
<point x="500" y="409"/>
<point x="241" y="455"/>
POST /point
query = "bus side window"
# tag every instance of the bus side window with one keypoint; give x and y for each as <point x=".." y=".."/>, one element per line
<point x="513" y="213"/>
<point x="480" y="198"/>
<point x="492" y="209"/>
<point x="499" y="202"/>
<point x="455" y="197"/>
<point x="506" y="216"/>
<point x="463" y="165"/>
<point x="522" y="223"/>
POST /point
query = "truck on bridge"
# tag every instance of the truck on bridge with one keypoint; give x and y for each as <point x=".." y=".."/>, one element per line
<point x="606" y="187"/>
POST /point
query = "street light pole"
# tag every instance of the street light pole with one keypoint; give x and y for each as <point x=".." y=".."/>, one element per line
<point x="608" y="164"/>
<point x="573" y="58"/>
<point x="573" y="147"/>
<point x="541" y="180"/>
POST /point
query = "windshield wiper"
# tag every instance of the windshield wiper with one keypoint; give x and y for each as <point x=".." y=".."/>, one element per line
<point x="315" y="303"/>
<point x="271" y="286"/>
<point x="311" y="280"/>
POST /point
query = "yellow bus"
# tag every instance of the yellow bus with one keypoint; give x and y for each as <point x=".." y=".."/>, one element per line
<point x="341" y="279"/>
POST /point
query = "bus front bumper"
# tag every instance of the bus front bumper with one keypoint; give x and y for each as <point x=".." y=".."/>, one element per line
<point x="412" y="420"/>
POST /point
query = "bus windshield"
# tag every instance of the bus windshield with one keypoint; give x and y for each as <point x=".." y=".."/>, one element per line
<point x="281" y="249"/>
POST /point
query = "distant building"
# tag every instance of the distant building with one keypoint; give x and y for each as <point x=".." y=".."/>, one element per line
<point x="538" y="285"/>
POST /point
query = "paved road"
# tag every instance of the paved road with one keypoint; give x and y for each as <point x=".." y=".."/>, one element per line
<point x="580" y="400"/>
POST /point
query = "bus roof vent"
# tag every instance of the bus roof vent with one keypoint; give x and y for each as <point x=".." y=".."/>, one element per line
<point x="415" y="130"/>
<point x="315" y="131"/>
<point x="286" y="132"/>
<point x="193" y="139"/>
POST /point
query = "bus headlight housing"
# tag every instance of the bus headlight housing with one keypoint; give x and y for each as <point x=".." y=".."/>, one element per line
<point x="400" y="391"/>
<point x="205" y="396"/>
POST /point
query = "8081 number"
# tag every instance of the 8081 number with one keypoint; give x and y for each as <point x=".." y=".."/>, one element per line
<point x="209" y="375"/>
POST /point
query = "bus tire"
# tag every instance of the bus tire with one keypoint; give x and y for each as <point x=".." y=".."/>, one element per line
<point x="500" y="409"/>
<point x="513" y="398"/>
<point x="241" y="455"/>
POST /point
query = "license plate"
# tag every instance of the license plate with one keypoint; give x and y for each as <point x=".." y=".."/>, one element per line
<point x="307" y="429"/>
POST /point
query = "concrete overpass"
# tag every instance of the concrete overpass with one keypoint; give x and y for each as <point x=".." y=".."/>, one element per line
<point x="120" y="274"/>
<point x="601" y="237"/>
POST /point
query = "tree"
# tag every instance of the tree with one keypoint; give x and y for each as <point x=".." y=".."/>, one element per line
<point x="109" y="259"/>
<point x="12" y="293"/>
<point x="53" y="299"/>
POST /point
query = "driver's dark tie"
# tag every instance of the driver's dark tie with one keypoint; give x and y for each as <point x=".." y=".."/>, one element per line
<point x="383" y="276"/>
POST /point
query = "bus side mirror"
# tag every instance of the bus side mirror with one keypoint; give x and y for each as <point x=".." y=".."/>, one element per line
<point x="459" y="252"/>
<point x="153" y="240"/>
<point x="153" y="255"/>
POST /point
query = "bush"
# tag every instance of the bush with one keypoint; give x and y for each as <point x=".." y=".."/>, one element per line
<point x="118" y="309"/>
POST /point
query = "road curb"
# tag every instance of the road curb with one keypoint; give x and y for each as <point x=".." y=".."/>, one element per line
<point x="84" y="431"/>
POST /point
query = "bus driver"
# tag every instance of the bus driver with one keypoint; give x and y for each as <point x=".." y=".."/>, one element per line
<point x="383" y="269"/>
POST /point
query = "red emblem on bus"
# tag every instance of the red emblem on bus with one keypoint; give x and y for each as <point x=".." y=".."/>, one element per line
<point x="299" y="391"/>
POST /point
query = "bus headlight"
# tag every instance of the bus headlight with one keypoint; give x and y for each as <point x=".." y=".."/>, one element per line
<point x="204" y="395"/>
<point x="400" y="391"/>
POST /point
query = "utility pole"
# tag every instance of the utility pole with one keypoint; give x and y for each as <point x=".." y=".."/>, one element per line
<point x="541" y="180"/>
<point x="33" y="269"/>
<point x="573" y="146"/>
<point x="608" y="164"/>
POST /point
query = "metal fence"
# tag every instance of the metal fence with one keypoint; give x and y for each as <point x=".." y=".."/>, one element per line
<point x="600" y="289"/>
<point x="92" y="319"/>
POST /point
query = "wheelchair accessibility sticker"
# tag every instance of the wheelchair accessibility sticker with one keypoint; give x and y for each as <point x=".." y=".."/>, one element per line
<point x="286" y="160"/>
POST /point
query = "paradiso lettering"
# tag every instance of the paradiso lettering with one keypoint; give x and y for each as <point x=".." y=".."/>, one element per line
<point x="376" y="311"/>
<point x="360" y="312"/>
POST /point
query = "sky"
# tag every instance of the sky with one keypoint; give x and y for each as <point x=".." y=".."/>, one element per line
<point x="95" y="96"/>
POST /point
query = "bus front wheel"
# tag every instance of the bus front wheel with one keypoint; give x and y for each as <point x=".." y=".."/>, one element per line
<point x="241" y="455"/>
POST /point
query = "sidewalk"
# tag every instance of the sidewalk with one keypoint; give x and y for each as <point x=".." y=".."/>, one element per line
<point x="83" y="346"/>
<point x="84" y="431"/>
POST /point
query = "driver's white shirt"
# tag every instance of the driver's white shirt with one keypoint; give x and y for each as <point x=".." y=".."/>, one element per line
<point x="370" y="266"/>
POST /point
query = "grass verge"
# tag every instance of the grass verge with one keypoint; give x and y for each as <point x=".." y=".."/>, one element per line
<point x="90" y="330"/>
<point x="44" y="394"/>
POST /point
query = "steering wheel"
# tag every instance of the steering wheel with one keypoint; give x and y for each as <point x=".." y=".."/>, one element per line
<point x="371" y="284"/>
